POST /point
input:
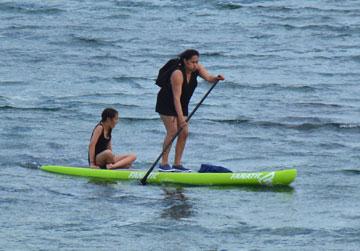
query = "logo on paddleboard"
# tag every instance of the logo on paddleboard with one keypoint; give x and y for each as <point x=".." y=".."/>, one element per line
<point x="267" y="179"/>
<point x="140" y="175"/>
<point x="262" y="178"/>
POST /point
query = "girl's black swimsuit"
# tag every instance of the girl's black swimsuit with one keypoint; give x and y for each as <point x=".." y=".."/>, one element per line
<point x="165" y="98"/>
<point x="102" y="144"/>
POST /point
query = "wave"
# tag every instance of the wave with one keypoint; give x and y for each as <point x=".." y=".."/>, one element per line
<point x="305" y="126"/>
<point x="274" y="87"/>
<point x="351" y="171"/>
<point x="305" y="9"/>
<point x="286" y="10"/>
<point x="14" y="108"/>
<point x="355" y="58"/>
<point x="12" y="83"/>
<point x="230" y="6"/>
<point x="309" y="126"/>
<point x="212" y="54"/>
<point x="134" y="80"/>
<point x="236" y="121"/>
<point x="263" y="36"/>
<point x="318" y="27"/>
<point x="57" y="192"/>
<point x="262" y="56"/>
<point x="331" y="145"/>
<point x="93" y="100"/>
<point x="138" y="119"/>
<point x="96" y="95"/>
<point x="120" y="16"/>
<point x="111" y="104"/>
<point x="351" y="234"/>
<point x="318" y="105"/>
<point x="132" y="4"/>
<point x="26" y="27"/>
<point x="90" y="41"/>
<point x="106" y="57"/>
<point x="288" y="231"/>
<point x="301" y="88"/>
<point x="29" y="8"/>
<point x="4" y="99"/>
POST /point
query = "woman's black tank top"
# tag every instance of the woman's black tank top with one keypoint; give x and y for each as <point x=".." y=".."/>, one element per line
<point x="165" y="98"/>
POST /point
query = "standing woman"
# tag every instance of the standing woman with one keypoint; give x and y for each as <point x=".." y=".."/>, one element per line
<point x="100" y="147"/>
<point x="173" y="101"/>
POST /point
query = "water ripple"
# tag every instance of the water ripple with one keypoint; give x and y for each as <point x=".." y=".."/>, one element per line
<point x="29" y="8"/>
<point x="25" y="109"/>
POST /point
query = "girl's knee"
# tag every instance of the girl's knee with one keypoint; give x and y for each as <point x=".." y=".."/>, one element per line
<point x="109" y="156"/>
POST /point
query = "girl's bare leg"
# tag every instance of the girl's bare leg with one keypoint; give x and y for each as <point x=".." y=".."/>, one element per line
<point x="122" y="161"/>
<point x="105" y="157"/>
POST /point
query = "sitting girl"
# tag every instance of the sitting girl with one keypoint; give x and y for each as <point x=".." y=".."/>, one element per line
<point x="100" y="149"/>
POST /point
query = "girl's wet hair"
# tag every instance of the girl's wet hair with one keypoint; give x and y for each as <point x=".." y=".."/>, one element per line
<point x="108" y="113"/>
<point x="188" y="54"/>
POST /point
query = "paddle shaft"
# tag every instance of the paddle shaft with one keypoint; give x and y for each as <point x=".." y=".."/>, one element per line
<point x="143" y="180"/>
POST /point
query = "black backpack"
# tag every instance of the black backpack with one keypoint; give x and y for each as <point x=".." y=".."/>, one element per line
<point x="165" y="72"/>
<point x="208" y="168"/>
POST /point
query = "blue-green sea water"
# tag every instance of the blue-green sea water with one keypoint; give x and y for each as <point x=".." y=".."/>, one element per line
<point x="291" y="99"/>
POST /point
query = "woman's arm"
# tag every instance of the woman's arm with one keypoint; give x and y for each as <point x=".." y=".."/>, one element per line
<point x="176" y="85"/>
<point x="207" y="76"/>
<point x="93" y="141"/>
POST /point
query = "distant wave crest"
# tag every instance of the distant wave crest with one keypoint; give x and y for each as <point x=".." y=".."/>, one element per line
<point x="14" y="108"/>
<point x="311" y="126"/>
<point x="90" y="41"/>
<point x="29" y="8"/>
<point x="230" y="6"/>
<point x="305" y="126"/>
<point x="351" y="171"/>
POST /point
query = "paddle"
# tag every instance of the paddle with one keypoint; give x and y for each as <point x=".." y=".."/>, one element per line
<point x="143" y="180"/>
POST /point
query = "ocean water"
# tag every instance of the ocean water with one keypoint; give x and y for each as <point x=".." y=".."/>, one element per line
<point x="291" y="99"/>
